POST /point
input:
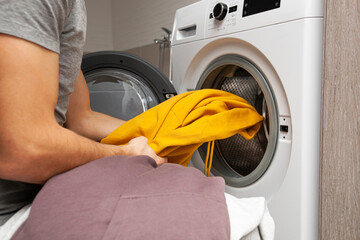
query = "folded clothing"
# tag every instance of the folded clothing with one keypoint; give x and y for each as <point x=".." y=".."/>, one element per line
<point x="177" y="127"/>
<point x="249" y="217"/>
<point x="64" y="213"/>
<point x="128" y="198"/>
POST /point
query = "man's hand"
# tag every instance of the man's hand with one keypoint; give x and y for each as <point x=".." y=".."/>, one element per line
<point x="139" y="146"/>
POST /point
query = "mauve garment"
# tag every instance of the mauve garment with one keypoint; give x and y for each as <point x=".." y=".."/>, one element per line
<point x="129" y="198"/>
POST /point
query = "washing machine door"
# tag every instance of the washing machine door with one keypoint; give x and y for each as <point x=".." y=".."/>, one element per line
<point x="239" y="161"/>
<point x="123" y="85"/>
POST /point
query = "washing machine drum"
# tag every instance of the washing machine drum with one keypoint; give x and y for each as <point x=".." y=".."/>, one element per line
<point x="123" y="85"/>
<point x="240" y="161"/>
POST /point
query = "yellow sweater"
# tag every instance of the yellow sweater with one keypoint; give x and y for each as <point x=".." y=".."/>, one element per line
<point x="177" y="127"/>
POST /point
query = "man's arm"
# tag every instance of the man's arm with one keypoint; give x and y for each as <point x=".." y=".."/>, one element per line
<point x="33" y="147"/>
<point x="82" y="120"/>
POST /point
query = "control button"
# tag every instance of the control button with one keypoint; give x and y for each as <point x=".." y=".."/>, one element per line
<point x="220" y="11"/>
<point x="233" y="9"/>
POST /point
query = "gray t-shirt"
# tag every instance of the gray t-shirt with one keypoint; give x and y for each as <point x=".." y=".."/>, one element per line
<point x="60" y="26"/>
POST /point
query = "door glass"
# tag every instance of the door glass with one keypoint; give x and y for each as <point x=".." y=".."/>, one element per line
<point x="239" y="161"/>
<point x="119" y="93"/>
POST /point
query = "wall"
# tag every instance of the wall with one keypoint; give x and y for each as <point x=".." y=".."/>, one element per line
<point x="99" y="27"/>
<point x="127" y="24"/>
<point x="340" y="148"/>
<point x="131" y="26"/>
<point x="137" y="23"/>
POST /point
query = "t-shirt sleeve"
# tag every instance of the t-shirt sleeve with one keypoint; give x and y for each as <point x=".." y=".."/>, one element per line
<point x="40" y="22"/>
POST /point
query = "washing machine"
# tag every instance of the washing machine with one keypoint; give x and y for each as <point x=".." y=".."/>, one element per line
<point x="123" y="85"/>
<point x="270" y="53"/>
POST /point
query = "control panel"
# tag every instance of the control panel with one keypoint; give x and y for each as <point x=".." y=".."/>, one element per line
<point x="214" y="18"/>
<point x="225" y="15"/>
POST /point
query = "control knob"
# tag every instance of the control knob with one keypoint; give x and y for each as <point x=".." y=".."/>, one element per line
<point x="220" y="11"/>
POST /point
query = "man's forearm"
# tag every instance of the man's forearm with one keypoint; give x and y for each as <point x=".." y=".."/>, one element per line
<point x="93" y="125"/>
<point x="82" y="120"/>
<point x="43" y="152"/>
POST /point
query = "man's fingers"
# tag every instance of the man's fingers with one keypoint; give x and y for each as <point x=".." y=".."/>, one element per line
<point x="140" y="139"/>
<point x="140" y="147"/>
<point x="161" y="160"/>
<point x="165" y="159"/>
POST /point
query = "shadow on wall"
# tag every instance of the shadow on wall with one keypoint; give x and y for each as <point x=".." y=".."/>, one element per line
<point x="151" y="53"/>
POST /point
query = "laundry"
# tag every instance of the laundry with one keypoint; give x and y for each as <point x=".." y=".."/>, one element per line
<point x="133" y="198"/>
<point x="248" y="216"/>
<point x="178" y="126"/>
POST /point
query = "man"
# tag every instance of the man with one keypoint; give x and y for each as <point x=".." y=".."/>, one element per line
<point x="41" y="46"/>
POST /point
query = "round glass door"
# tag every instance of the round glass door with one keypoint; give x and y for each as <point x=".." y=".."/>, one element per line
<point x="239" y="161"/>
<point x="119" y="93"/>
<point x="123" y="85"/>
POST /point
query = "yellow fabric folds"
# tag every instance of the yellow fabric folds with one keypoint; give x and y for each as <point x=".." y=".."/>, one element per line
<point x="177" y="127"/>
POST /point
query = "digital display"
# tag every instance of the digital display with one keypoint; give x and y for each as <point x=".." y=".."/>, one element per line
<point x="257" y="6"/>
